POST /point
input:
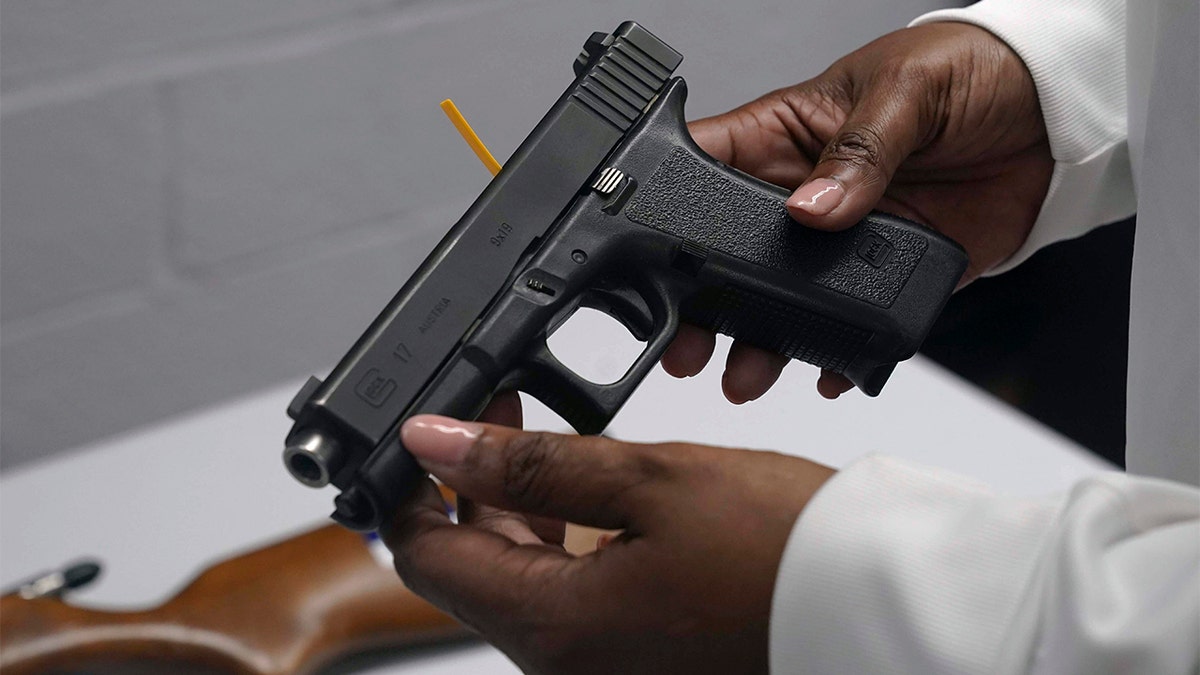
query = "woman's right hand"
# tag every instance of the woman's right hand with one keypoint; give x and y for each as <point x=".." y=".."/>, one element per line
<point x="939" y="124"/>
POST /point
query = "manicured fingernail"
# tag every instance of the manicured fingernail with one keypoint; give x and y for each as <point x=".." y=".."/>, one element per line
<point x="437" y="440"/>
<point x="817" y="197"/>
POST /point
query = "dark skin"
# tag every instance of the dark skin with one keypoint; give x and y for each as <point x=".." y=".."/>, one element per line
<point x="939" y="124"/>
<point x="672" y="593"/>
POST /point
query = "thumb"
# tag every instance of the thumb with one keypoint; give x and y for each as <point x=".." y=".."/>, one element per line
<point x="857" y="165"/>
<point x="582" y="479"/>
<point x="714" y="136"/>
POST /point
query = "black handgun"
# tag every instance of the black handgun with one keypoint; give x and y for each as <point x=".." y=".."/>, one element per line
<point x="609" y="204"/>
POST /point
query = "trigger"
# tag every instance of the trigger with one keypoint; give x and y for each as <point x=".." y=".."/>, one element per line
<point x="625" y="305"/>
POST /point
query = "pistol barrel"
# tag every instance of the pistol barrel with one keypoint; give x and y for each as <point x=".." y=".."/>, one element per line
<point x="313" y="458"/>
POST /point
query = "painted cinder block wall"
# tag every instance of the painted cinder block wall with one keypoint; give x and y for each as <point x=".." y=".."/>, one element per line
<point x="202" y="199"/>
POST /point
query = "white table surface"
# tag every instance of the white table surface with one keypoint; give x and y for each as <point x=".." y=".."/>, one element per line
<point x="158" y="504"/>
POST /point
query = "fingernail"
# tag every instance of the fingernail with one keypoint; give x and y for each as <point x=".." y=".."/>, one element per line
<point x="437" y="440"/>
<point x="817" y="197"/>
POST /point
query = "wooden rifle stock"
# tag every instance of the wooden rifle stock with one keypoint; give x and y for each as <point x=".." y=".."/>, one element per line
<point x="294" y="606"/>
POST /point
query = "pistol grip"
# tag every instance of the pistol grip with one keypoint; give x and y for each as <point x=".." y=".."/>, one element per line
<point x="855" y="301"/>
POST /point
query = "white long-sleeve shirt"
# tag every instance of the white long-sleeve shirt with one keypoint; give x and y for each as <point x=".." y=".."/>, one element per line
<point x="896" y="568"/>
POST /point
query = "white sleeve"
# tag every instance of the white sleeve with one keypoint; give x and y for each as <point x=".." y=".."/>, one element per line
<point x="1075" y="50"/>
<point x="895" y="568"/>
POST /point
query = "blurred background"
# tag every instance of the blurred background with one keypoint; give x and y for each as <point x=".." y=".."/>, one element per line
<point x="200" y="200"/>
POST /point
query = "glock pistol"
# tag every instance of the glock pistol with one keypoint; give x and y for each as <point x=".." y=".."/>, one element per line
<point x="609" y="204"/>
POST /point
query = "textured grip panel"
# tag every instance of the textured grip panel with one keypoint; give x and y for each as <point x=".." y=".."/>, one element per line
<point x="689" y="198"/>
<point x="777" y="326"/>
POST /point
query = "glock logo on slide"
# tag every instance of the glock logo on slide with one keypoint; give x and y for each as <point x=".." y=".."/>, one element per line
<point x="375" y="388"/>
<point x="874" y="249"/>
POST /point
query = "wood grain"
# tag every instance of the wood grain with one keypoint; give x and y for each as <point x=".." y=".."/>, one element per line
<point x="292" y="607"/>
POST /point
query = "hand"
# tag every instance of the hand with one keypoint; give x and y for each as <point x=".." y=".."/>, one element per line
<point x="685" y="588"/>
<point x="939" y="124"/>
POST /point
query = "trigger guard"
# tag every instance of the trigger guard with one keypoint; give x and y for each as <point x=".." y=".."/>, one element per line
<point x="588" y="406"/>
<point x="624" y="304"/>
<point x="544" y="377"/>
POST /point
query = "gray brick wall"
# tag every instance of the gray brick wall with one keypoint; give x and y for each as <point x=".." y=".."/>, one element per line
<point x="198" y="200"/>
<point x="82" y="206"/>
